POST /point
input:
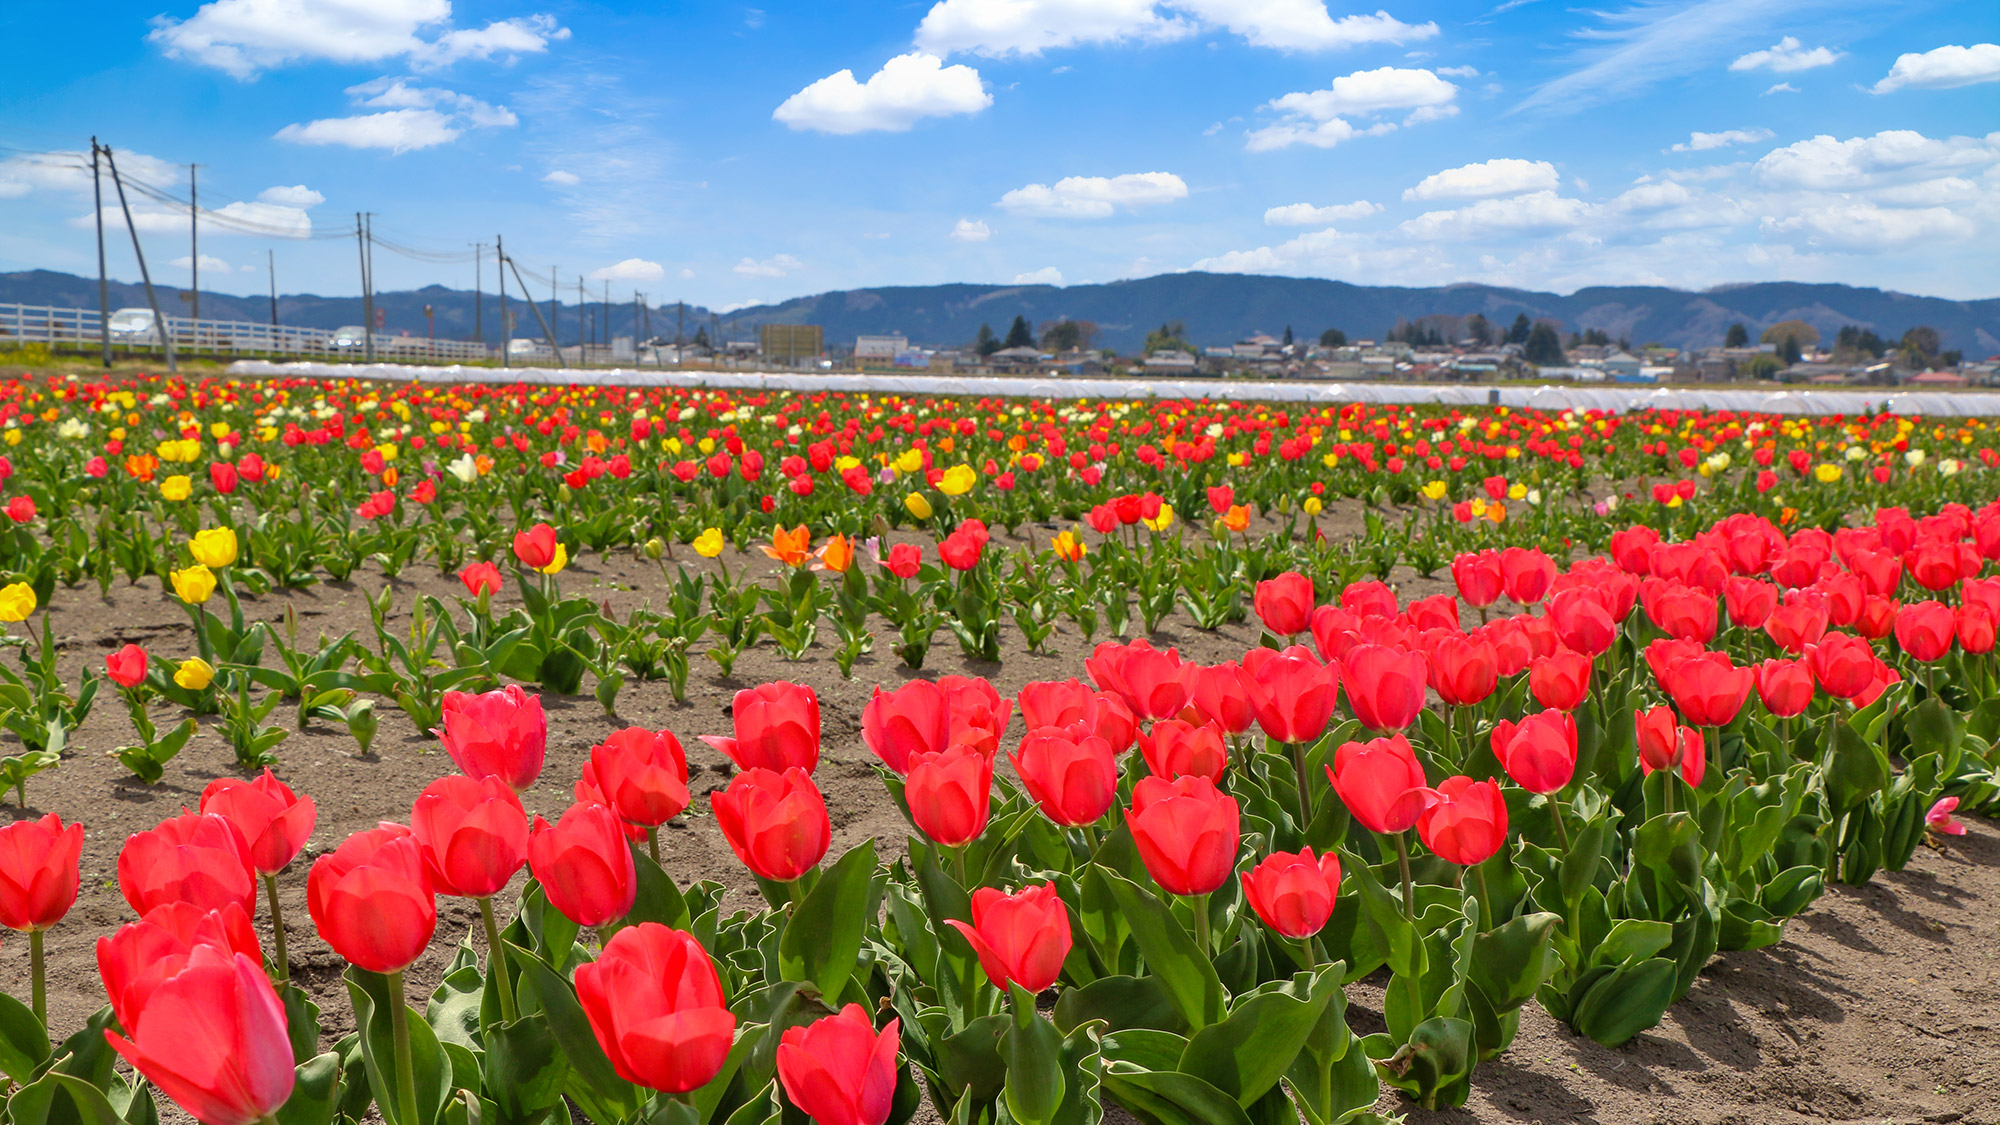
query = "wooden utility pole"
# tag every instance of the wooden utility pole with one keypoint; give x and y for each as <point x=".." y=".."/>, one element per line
<point x="500" y="270"/>
<point x="194" y="249"/>
<point x="271" y="266"/>
<point x="478" y="320"/>
<point x="152" y="298"/>
<point x="103" y="283"/>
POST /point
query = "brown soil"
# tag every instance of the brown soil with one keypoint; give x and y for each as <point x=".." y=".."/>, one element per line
<point x="1879" y="1006"/>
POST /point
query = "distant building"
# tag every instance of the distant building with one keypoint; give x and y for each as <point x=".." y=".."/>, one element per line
<point x="879" y="347"/>
<point x="1170" y="363"/>
<point x="789" y="343"/>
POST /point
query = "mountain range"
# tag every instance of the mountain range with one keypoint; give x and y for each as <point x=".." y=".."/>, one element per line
<point x="1213" y="308"/>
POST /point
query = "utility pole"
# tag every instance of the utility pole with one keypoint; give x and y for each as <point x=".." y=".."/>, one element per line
<point x="152" y="298"/>
<point x="271" y="264"/>
<point x="607" y="312"/>
<point x="500" y="270"/>
<point x="478" y="320"/>
<point x="194" y="247"/>
<point x="374" y="313"/>
<point x="367" y="300"/>
<point x="536" y="309"/>
<point x="103" y="285"/>
<point x="582" y="325"/>
<point x="680" y="319"/>
<point x="555" y="321"/>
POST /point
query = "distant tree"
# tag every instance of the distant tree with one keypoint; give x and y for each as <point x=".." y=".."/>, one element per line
<point x="1288" y="336"/>
<point x="1575" y="340"/>
<point x="1805" y="334"/>
<point x="701" y="337"/>
<point x="1624" y="345"/>
<point x="988" y="342"/>
<point x="1854" y="341"/>
<point x="1520" y="330"/>
<point x="1760" y="367"/>
<point x="1737" y="337"/>
<point x="1789" y="351"/>
<point x="1063" y="335"/>
<point x="1479" y="329"/>
<point x="1921" y="342"/>
<point x="1169" y="338"/>
<point x="1333" y="338"/>
<point x="1543" y="346"/>
<point x="1596" y="338"/>
<point x="1019" y="335"/>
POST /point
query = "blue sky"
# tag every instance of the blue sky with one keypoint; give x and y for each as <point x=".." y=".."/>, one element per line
<point x="729" y="154"/>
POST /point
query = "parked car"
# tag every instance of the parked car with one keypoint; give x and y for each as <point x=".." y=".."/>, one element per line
<point x="134" y="326"/>
<point x="349" y="338"/>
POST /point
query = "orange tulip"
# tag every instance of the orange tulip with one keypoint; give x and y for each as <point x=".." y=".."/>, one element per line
<point x="837" y="555"/>
<point x="792" y="547"/>
<point x="1236" y="518"/>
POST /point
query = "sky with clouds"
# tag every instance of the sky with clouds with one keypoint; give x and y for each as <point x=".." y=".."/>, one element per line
<point x="730" y="155"/>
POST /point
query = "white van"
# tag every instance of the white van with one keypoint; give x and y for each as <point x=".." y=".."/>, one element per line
<point x="134" y="326"/>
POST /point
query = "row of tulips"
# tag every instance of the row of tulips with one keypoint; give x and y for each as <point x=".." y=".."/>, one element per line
<point x="1160" y="899"/>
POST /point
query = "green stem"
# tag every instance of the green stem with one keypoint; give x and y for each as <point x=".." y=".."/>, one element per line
<point x="653" y="842"/>
<point x="1403" y="865"/>
<point x="1201" y="934"/>
<point x="1298" y="750"/>
<point x="496" y="960"/>
<point x="1556" y="814"/>
<point x="1673" y="777"/>
<point x="278" y="928"/>
<point x="958" y="865"/>
<point x="406" y="1069"/>
<point x="40" y="974"/>
<point x="1485" y="893"/>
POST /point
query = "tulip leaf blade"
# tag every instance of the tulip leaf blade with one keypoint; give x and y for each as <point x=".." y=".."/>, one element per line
<point x="1246" y="1053"/>
<point x="372" y="998"/>
<point x="658" y="899"/>
<point x="1122" y="1002"/>
<point x="24" y="1043"/>
<point x="1169" y="950"/>
<point x="316" y="1089"/>
<point x="1626" y="1001"/>
<point x="1033" y="1049"/>
<point x="36" y="1104"/>
<point x="523" y="1068"/>
<point x="595" y="1080"/>
<point x="822" y="941"/>
<point x="1170" y="1097"/>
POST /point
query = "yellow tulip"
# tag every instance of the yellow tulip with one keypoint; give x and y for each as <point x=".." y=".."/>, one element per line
<point x="1435" y="490"/>
<point x="1827" y="473"/>
<point x="194" y="674"/>
<point x="1163" y="521"/>
<point x="1314" y="506"/>
<point x="1067" y="546"/>
<point x="910" y="461"/>
<point x="709" y="543"/>
<point x="557" y="564"/>
<point x="958" y="480"/>
<point x="918" y="505"/>
<point x="195" y="585"/>
<point x="17" y="602"/>
<point x="176" y="488"/>
<point x="215" y="546"/>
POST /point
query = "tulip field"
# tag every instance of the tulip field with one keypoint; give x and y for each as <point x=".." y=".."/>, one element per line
<point x="507" y="755"/>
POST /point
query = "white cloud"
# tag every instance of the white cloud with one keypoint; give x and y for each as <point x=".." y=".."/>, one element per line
<point x="1860" y="226"/>
<point x="1320" y="117"/>
<point x="562" y="179"/>
<point x="1781" y="88"/>
<point x="243" y="37"/>
<point x="971" y="230"/>
<point x="1889" y="157"/>
<point x="1459" y="71"/>
<point x="1502" y="176"/>
<point x="1535" y="211"/>
<point x="1094" y="197"/>
<point x="1944" y="68"/>
<point x="1702" y="142"/>
<point x="631" y="269"/>
<point x="1634" y="47"/>
<point x="13" y="189"/>
<point x="775" y="266"/>
<point x="1047" y="275"/>
<point x="298" y="195"/>
<point x="274" y="220"/>
<point x="686" y="274"/>
<point x="998" y="28"/>
<point x="907" y="89"/>
<point x="413" y="117"/>
<point x="1307" y="215"/>
<point x="214" y="265"/>
<point x="1789" y="55"/>
<point x="1303" y="25"/>
<point x="398" y="130"/>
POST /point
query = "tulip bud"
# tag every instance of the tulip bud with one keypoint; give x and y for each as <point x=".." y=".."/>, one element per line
<point x="584" y="865"/>
<point x="839" y="1070"/>
<point x="1020" y="938"/>
<point x="372" y="901"/>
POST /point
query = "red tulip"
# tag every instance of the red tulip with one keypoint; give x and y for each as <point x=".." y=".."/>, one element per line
<point x="1663" y="656"/>
<point x="1560" y="681"/>
<point x="1292" y="693"/>
<point x="1463" y="670"/>
<point x="1750" y="601"/>
<point x="1938" y="564"/>
<point x="1219" y="698"/>
<point x="1467" y="823"/>
<point x="127" y="666"/>
<point x="655" y="1006"/>
<point x="1799" y="622"/>
<point x="1539" y="752"/>
<point x="1975" y="629"/>
<point x="976" y="713"/>
<point x="1924" y="630"/>
<point x="1479" y="578"/>
<point x="1369" y="599"/>
<point x="775" y="822"/>
<point x="1294" y="894"/>
<point x="482" y="578"/>
<point x="1785" y="686"/>
<point x="191" y="858"/>
<point x="1020" y="938"/>
<point x="584" y="865"/>
<point x="1186" y="832"/>
<point x="643" y="775"/>
<point x="1174" y="748"/>
<point x="223" y="476"/>
<point x="1284" y="603"/>
<point x="213" y="1038"/>
<point x="1843" y="664"/>
<point x="38" y="872"/>
<point x="1709" y="689"/>
<point x="140" y="956"/>
<point x="1526" y="573"/>
<point x="1684" y="612"/>
<point x="275" y="822"/>
<point x="1439" y="611"/>
<point x="473" y="834"/>
<point x="1939" y="818"/>
<point x="1385" y="686"/>
<point x="777" y="728"/>
<point x="1381" y="783"/>
<point x="911" y="720"/>
<point x="1582" y="619"/>
<point x="1070" y="772"/>
<point x="536" y="547"/>
<point x="1877" y="618"/>
<point x="1152" y="683"/>
<point x="1665" y="744"/>
<point x="372" y="899"/>
<point x="500" y="733"/>
<point x="838" y="1070"/>
<point x="949" y="793"/>
<point x="1050" y="703"/>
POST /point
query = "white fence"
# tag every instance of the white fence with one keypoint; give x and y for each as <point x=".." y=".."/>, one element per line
<point x="82" y="328"/>
<point x="1958" y="404"/>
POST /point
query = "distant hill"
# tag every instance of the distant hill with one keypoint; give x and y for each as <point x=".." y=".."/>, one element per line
<point x="1216" y="309"/>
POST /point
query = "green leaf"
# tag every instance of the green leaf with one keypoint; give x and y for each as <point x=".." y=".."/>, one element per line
<point x="373" y="1015"/>
<point x="557" y="1001"/>
<point x="1632" y="940"/>
<point x="24" y="1043"/>
<point x="1246" y="1053"/>
<point x="1033" y="1049"/>
<point x="1170" y="952"/>
<point x="1122" y="1002"/>
<point x="1625" y="1002"/>
<point x="1511" y="961"/>
<point x="1854" y="768"/>
<point x="301" y="1021"/>
<point x="37" y="1104"/>
<point x="315" y="1092"/>
<point x="1435" y="1066"/>
<point x="657" y="899"/>
<point x="524" y="1068"/>
<point x="1171" y="1098"/>
<point x="823" y="938"/>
